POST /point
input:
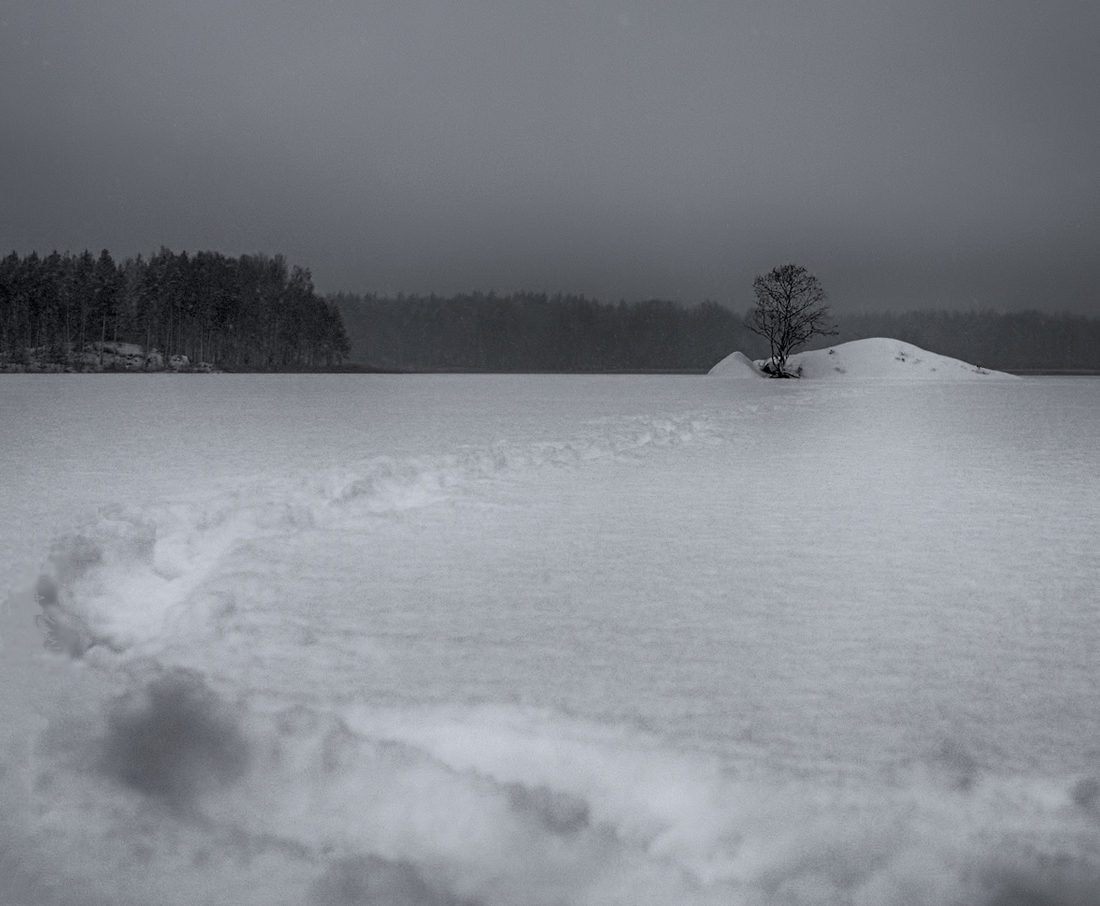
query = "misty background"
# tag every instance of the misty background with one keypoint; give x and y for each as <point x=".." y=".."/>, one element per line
<point x="926" y="155"/>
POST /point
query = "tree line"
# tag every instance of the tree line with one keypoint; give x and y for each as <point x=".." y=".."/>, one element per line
<point x="252" y="312"/>
<point x="537" y="332"/>
<point x="257" y="312"/>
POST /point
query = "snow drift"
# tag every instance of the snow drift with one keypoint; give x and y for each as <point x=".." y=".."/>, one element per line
<point x="876" y="357"/>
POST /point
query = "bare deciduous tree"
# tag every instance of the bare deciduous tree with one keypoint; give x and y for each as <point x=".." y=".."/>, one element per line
<point x="790" y="309"/>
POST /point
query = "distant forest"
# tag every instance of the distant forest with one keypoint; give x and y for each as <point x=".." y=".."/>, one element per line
<point x="256" y="312"/>
<point x="252" y="312"/>
<point x="536" y="332"/>
<point x="532" y="332"/>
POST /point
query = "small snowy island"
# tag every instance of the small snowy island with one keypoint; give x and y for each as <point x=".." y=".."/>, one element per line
<point x="875" y="357"/>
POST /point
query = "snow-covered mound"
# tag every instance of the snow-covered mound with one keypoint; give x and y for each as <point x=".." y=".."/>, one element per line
<point x="736" y="364"/>
<point x="877" y="357"/>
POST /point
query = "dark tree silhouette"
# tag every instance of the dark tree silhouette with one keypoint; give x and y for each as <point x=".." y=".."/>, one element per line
<point x="790" y="309"/>
<point x="252" y="313"/>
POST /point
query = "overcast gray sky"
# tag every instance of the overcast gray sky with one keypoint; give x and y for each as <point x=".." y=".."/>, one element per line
<point x="911" y="154"/>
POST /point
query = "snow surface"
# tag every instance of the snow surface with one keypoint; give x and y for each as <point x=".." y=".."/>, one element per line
<point x="550" y="640"/>
<point x="876" y="357"/>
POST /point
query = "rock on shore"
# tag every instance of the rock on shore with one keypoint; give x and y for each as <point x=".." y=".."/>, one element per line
<point x="97" y="357"/>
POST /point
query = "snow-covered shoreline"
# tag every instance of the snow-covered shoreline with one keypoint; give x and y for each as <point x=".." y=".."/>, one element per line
<point x="96" y="357"/>
<point x="875" y="357"/>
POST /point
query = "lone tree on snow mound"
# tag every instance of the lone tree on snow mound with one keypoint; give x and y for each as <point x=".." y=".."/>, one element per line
<point x="790" y="309"/>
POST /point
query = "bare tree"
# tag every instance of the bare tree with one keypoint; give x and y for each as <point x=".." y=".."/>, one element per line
<point x="790" y="309"/>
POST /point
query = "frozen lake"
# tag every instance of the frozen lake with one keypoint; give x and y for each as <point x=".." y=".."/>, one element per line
<point x="565" y="640"/>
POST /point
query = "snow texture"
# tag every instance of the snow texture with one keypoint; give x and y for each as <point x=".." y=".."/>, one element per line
<point x="550" y="641"/>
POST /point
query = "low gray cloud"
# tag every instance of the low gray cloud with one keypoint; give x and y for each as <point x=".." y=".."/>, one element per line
<point x="916" y="155"/>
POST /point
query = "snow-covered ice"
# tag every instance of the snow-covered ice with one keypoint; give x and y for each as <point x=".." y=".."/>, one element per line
<point x="550" y="640"/>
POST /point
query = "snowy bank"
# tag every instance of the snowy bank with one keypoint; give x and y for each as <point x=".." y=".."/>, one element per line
<point x="875" y="357"/>
<point x="107" y="356"/>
